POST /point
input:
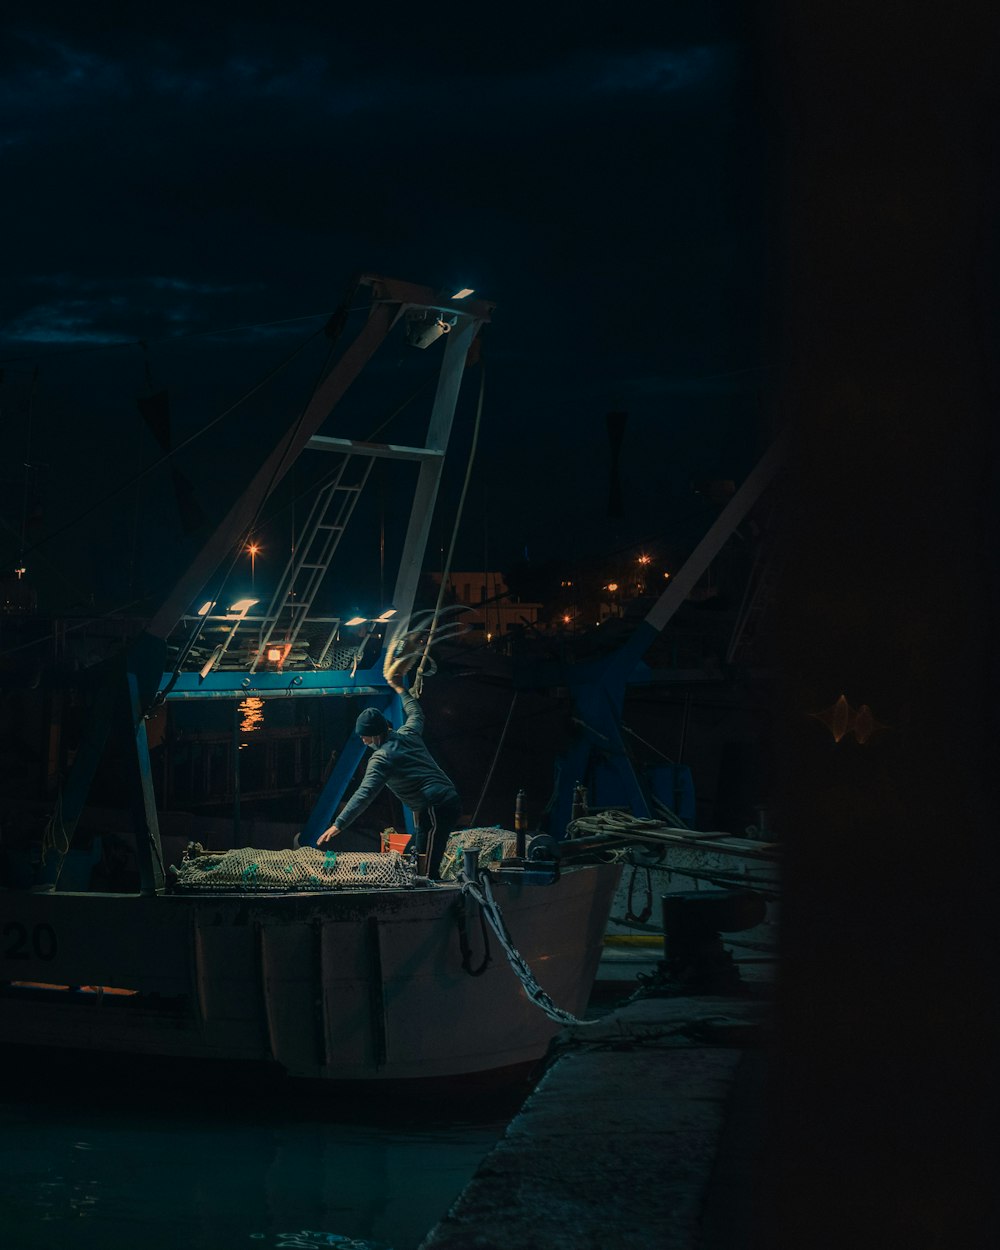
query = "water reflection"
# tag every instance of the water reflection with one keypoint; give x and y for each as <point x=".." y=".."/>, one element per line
<point x="90" y="1168"/>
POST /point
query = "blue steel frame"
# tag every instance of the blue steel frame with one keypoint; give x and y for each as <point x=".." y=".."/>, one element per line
<point x="598" y="689"/>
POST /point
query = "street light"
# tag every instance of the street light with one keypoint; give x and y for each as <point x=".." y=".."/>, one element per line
<point x="254" y="550"/>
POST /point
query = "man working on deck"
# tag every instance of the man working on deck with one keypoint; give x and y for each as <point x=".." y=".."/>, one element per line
<point x="401" y="761"/>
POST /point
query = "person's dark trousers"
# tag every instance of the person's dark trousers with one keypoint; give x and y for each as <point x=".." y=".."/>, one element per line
<point x="433" y="825"/>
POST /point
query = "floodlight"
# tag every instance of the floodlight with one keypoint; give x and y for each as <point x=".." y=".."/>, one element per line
<point x="356" y="620"/>
<point x="464" y="293"/>
<point x="206" y="608"/>
<point x="386" y="615"/>
<point x="243" y="605"/>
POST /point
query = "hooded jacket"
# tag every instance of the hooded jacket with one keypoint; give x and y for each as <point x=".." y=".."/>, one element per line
<point x="404" y="765"/>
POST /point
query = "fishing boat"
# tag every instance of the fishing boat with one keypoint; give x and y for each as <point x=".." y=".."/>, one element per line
<point x="350" y="967"/>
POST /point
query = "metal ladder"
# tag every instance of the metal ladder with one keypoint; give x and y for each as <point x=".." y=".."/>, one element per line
<point x="299" y="584"/>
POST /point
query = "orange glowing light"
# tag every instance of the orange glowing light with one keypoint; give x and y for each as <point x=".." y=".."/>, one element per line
<point x="841" y="719"/>
<point x="253" y="551"/>
<point x="612" y="586"/>
<point x="83" y="989"/>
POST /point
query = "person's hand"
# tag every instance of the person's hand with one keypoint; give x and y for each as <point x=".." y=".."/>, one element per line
<point x="327" y="835"/>
<point x="397" y="686"/>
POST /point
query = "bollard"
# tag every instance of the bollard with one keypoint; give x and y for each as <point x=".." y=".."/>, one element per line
<point x="470" y="863"/>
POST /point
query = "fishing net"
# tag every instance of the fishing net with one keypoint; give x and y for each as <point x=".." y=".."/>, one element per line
<point x="302" y="868"/>
<point x="493" y="844"/>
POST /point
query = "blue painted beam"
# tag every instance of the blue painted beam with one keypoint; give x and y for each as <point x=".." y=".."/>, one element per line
<point x="240" y="685"/>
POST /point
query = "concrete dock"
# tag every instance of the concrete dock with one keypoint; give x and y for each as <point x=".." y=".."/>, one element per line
<point x="641" y="1132"/>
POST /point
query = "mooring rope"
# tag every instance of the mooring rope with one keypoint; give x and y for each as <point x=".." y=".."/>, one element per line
<point x="54" y="836"/>
<point x="483" y="895"/>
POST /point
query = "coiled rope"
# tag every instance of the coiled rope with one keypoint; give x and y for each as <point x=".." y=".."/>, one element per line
<point x="483" y="895"/>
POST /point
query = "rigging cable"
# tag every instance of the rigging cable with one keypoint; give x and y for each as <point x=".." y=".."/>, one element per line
<point x="331" y="475"/>
<point x="496" y="756"/>
<point x="180" y="447"/>
<point x="446" y="570"/>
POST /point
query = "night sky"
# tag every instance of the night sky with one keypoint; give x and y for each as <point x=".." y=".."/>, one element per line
<point x="605" y="181"/>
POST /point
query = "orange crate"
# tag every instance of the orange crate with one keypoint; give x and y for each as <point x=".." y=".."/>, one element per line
<point x="393" y="841"/>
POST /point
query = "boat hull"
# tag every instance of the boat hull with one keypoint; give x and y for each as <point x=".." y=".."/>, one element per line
<point x="348" y="986"/>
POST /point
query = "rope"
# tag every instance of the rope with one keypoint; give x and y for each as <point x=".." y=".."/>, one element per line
<point x="483" y="895"/>
<point x="418" y="682"/>
<point x="54" y="834"/>
<point x="463" y="941"/>
<point x="647" y="911"/>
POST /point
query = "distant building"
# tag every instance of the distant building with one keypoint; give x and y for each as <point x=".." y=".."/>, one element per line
<point x="494" y="613"/>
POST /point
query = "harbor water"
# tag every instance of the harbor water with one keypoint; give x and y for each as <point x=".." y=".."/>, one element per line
<point x="112" y="1164"/>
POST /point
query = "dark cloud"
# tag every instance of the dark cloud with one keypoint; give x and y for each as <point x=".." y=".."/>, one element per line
<point x="599" y="180"/>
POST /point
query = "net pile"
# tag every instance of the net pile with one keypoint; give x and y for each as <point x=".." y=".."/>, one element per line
<point x="493" y="844"/>
<point x="304" y="868"/>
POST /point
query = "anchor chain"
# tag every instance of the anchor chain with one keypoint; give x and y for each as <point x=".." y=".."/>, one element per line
<point x="483" y="895"/>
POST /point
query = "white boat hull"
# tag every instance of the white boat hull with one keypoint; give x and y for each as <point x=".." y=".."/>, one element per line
<point x="347" y="986"/>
